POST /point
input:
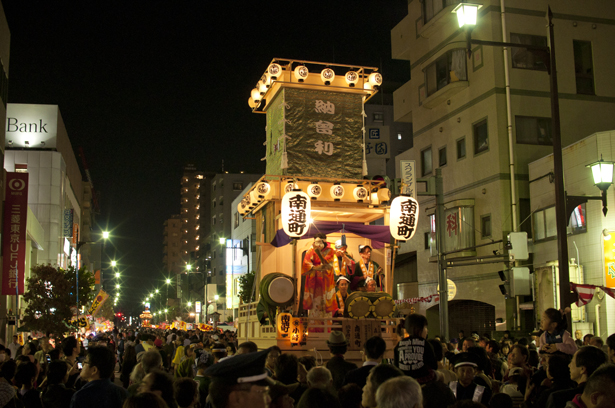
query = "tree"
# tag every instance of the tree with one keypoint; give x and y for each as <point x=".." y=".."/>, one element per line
<point x="245" y="287"/>
<point x="106" y="310"/>
<point x="86" y="286"/>
<point x="48" y="310"/>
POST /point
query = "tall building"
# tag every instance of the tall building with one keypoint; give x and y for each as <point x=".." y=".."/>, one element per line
<point x="172" y="244"/>
<point x="459" y="113"/>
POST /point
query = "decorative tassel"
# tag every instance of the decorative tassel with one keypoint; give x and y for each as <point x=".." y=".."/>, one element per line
<point x="284" y="161"/>
<point x="364" y="167"/>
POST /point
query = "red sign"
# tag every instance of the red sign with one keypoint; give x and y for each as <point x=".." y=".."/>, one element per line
<point x="75" y="239"/>
<point x="14" y="233"/>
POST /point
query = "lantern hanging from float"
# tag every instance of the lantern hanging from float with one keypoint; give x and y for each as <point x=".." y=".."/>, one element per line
<point x="296" y="208"/>
<point x="404" y="217"/>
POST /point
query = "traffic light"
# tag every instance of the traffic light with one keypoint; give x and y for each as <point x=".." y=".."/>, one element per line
<point x="505" y="287"/>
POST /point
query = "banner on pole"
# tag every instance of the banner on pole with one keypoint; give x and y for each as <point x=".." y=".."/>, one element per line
<point x="98" y="302"/>
<point x="14" y="234"/>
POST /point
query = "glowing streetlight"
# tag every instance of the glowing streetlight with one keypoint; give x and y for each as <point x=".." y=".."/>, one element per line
<point x="117" y="286"/>
<point x="168" y="281"/>
<point x="114" y="263"/>
<point x="188" y="267"/>
<point x="105" y="234"/>
<point x="166" y="310"/>
<point x="117" y="274"/>
<point x="157" y="291"/>
<point x="216" y="297"/>
<point x="189" y="304"/>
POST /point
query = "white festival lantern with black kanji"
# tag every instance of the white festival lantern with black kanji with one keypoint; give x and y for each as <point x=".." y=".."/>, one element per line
<point x="404" y="217"/>
<point x="296" y="208"/>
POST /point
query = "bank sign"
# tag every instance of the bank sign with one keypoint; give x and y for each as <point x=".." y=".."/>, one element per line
<point x="31" y="126"/>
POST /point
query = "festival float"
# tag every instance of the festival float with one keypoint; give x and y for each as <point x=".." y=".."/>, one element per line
<point x="316" y="183"/>
<point x="146" y="317"/>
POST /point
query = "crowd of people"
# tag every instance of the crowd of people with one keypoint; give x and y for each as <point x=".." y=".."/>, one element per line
<point x="171" y="369"/>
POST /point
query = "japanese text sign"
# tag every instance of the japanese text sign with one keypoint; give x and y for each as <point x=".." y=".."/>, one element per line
<point x="404" y="217"/>
<point x="14" y="233"/>
<point x="296" y="208"/>
<point x="98" y="302"/>
<point x="408" y="177"/>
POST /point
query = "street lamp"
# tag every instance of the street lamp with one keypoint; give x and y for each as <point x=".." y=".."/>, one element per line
<point x="117" y="286"/>
<point x="168" y="281"/>
<point x="157" y="291"/>
<point x="602" y="172"/>
<point x="188" y="267"/>
<point x="105" y="234"/>
<point x="467" y="13"/>
<point x="117" y="275"/>
<point x="113" y="264"/>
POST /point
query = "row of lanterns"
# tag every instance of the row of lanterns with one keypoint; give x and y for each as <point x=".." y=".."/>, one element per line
<point x="301" y="73"/>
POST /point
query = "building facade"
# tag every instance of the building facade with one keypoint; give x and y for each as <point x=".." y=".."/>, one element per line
<point x="459" y="113"/>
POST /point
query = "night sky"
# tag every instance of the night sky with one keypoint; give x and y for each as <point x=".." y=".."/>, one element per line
<point x="145" y="87"/>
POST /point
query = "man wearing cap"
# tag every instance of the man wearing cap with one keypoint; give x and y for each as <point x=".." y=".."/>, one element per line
<point x="343" y="264"/>
<point x="341" y="294"/>
<point x="338" y="345"/>
<point x="465" y="388"/>
<point x="365" y="268"/>
<point x="317" y="267"/>
<point x="240" y="382"/>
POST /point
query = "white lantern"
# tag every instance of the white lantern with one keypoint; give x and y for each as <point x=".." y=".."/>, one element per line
<point x="384" y="195"/>
<point x="240" y="208"/>
<point x="327" y="76"/>
<point x="266" y="80"/>
<point x="262" y="88"/>
<point x="375" y="79"/>
<point x="367" y="86"/>
<point x="360" y="193"/>
<point x="404" y="217"/>
<point x="274" y="70"/>
<point x="337" y="191"/>
<point x="255" y="198"/>
<point x="263" y="189"/>
<point x="314" y="191"/>
<point x="251" y="103"/>
<point x="301" y="73"/>
<point x="351" y="78"/>
<point x="290" y="186"/>
<point x="467" y="13"/>
<point x="245" y="205"/>
<point x="296" y="208"/>
<point x="256" y="95"/>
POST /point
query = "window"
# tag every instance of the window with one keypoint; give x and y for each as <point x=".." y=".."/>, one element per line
<point x="544" y="224"/>
<point x="214" y="203"/>
<point x="378" y="117"/>
<point x="214" y="186"/>
<point x="526" y="59"/>
<point x="535" y="131"/>
<point x="213" y="220"/>
<point x="238" y="186"/>
<point x="485" y="226"/>
<point x="442" y="156"/>
<point x="450" y="67"/>
<point x="427" y="240"/>
<point x="214" y="274"/>
<point x="461" y="148"/>
<point x="433" y="7"/>
<point x="584" y="67"/>
<point x="399" y="136"/>
<point x="426" y="162"/>
<point x="481" y="136"/>
<point x="236" y="223"/>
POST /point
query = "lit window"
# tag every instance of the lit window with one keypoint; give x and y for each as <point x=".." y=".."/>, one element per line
<point x="199" y="176"/>
<point x="450" y="67"/>
<point x="399" y="136"/>
<point x="378" y="117"/>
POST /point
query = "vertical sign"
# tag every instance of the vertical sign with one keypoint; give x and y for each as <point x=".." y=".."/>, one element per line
<point x="408" y="177"/>
<point x="179" y="285"/>
<point x="75" y="234"/>
<point x="377" y="143"/>
<point x="609" y="261"/>
<point x="14" y="233"/>
<point x="68" y="223"/>
<point x="197" y="307"/>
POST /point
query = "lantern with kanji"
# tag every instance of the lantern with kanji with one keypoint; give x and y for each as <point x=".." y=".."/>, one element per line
<point x="296" y="208"/>
<point x="404" y="217"/>
<point x="284" y="320"/>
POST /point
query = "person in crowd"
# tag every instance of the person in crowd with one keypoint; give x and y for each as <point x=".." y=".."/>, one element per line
<point x="185" y="367"/>
<point x="370" y="285"/>
<point x="140" y="340"/>
<point x="308" y="362"/>
<point x="337" y="365"/>
<point x="230" y="349"/>
<point x="14" y="346"/>
<point x="129" y="363"/>
<point x="203" y="362"/>
<point x="247" y="347"/>
<point x="444" y="374"/>
<point x="596" y="342"/>
<point x="599" y="391"/>
<point x="161" y="384"/>
<point x="467" y="343"/>
<point x="587" y="338"/>
<point x="25" y="375"/>
<point x="578" y="338"/>
<point x="377" y="376"/>
<point x="287" y="373"/>
<point x="518" y="358"/>
<point x="366" y="268"/>
<point x="493" y="348"/>
<point x="341" y="295"/>
<point x="56" y="394"/>
<point x="373" y="352"/>
<point x="99" y="391"/>
<point x="320" y="377"/>
<point x="515" y="386"/>
<point x="240" y="382"/>
<point x="186" y="392"/>
<point x="466" y="388"/>
<point x="483" y="372"/>
<point x="460" y="336"/>
<point x="555" y="337"/>
<point x="350" y="396"/>
<point x="414" y="355"/>
<point x="610" y="344"/>
<point x="582" y="365"/>
<point x="219" y="352"/>
<point x="145" y="400"/>
<point x="45" y="347"/>
<point x="558" y="378"/>
<point x="272" y="360"/>
<point x="317" y="397"/>
<point x="399" y="392"/>
<point x="280" y="397"/>
<point x="71" y="348"/>
<point x="7" y="391"/>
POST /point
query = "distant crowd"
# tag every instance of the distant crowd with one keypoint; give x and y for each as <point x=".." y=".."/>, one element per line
<point x="153" y="368"/>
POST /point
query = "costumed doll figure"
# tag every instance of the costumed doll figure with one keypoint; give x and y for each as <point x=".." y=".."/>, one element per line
<point x="341" y="294"/>
<point x="366" y="268"/>
<point x="319" y="290"/>
<point x="343" y="264"/>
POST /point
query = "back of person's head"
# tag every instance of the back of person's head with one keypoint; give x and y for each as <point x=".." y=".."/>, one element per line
<point x="185" y="391"/>
<point x="523" y="350"/>
<point x="248" y="347"/>
<point x="399" y="392"/>
<point x="54" y="354"/>
<point x="137" y="374"/>
<point x="610" y="341"/>
<point x="68" y="345"/>
<point x="350" y="396"/>
<point x="162" y="382"/>
<point x="318" y="398"/>
<point x="287" y="369"/>
<point x="7" y="370"/>
<point x="494" y="346"/>
<point x="523" y="341"/>
<point x="219" y="350"/>
<point x="533" y="359"/>
<point x="145" y="400"/>
<point x="25" y="374"/>
<point x="375" y="347"/>
<point x="558" y="368"/>
<point x="501" y="400"/>
<point x="596" y="342"/>
<point x="414" y="325"/>
<point x="56" y="371"/>
<point x="601" y="384"/>
<point x="481" y="357"/>
<point x="591" y="358"/>
<point x="151" y="360"/>
<point x="319" y="377"/>
<point x="103" y="359"/>
<point x="437" y="348"/>
<point x="381" y="373"/>
<point x="308" y="362"/>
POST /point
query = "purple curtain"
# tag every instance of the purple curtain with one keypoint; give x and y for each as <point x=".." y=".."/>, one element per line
<point x="378" y="234"/>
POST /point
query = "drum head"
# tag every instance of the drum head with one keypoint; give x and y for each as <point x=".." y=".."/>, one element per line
<point x="359" y="307"/>
<point x="281" y="290"/>
<point x="384" y="307"/>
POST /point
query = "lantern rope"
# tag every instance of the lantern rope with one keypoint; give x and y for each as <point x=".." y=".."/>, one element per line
<point x="363" y="117"/>
<point x="284" y="164"/>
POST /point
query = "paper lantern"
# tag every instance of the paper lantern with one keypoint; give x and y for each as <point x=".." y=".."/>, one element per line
<point x="375" y="79"/>
<point x="404" y="217"/>
<point x="327" y="76"/>
<point x="337" y="192"/>
<point x="251" y="103"/>
<point x="262" y="88"/>
<point x="284" y="321"/>
<point x="256" y="95"/>
<point x="290" y="186"/>
<point x="384" y="195"/>
<point x="301" y="73"/>
<point x="274" y="70"/>
<point x="360" y="193"/>
<point x="314" y="191"/>
<point x="263" y="189"/>
<point x="296" y="208"/>
<point x="265" y="79"/>
<point x="351" y="78"/>
<point x="255" y="199"/>
<point x="367" y="86"/>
